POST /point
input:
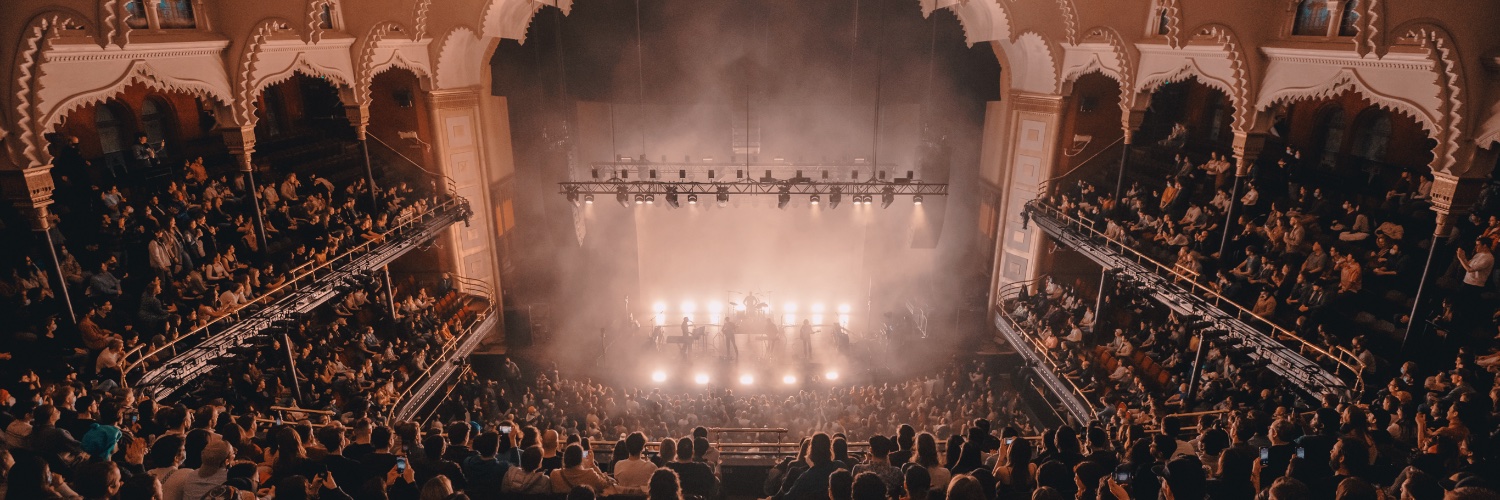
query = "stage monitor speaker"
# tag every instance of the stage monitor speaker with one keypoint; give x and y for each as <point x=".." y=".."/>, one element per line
<point x="517" y="328"/>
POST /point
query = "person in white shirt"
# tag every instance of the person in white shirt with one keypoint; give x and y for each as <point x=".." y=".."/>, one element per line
<point x="1478" y="267"/>
<point x="188" y="484"/>
<point x="634" y="472"/>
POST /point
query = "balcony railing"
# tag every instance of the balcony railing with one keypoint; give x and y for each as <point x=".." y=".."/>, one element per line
<point x="444" y="366"/>
<point x="1342" y="359"/>
<point x="303" y="278"/>
<point x="1074" y="399"/>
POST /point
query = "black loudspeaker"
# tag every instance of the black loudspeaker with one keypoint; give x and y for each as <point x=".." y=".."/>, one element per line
<point x="517" y="328"/>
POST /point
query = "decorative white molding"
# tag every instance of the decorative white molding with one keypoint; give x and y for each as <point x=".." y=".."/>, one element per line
<point x="983" y="21"/>
<point x="1242" y="81"/>
<point x="28" y="149"/>
<point x="460" y="60"/>
<point x="1401" y="82"/>
<point x="424" y="7"/>
<point x="80" y="75"/>
<point x="1348" y="79"/>
<point x="1070" y="19"/>
<point x="509" y="18"/>
<point x="365" y="71"/>
<point x="245" y="80"/>
<point x="315" y="28"/>
<point x="1451" y="82"/>
<point x="402" y="53"/>
<point x="1033" y="64"/>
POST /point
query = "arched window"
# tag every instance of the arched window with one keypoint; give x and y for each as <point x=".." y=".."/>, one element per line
<point x="1332" y="126"/>
<point x="325" y="17"/>
<point x="1349" y="21"/>
<point x="137" y="11"/>
<point x="1372" y="137"/>
<point x="1163" y="24"/>
<point x="154" y="119"/>
<point x="176" y="14"/>
<point x="111" y="129"/>
<point x="1312" y="18"/>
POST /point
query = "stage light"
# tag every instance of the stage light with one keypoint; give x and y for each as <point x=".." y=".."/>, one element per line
<point x="723" y="196"/>
<point x="659" y="376"/>
<point x="789" y="379"/>
<point x="573" y="195"/>
<point x="739" y="307"/>
<point x="784" y="198"/>
<point x="790" y="307"/>
<point x="813" y="200"/>
<point x="622" y="196"/>
<point x="747" y="379"/>
<point x="831" y="375"/>
<point x="639" y="200"/>
<point x="844" y="309"/>
<point x="817" y="308"/>
<point x="659" y="307"/>
<point x="650" y="199"/>
<point x="588" y="199"/>
<point x="672" y="197"/>
<point x="689" y="307"/>
<point x="834" y="197"/>
<point x="917" y="200"/>
<point x="887" y="197"/>
<point x="692" y="199"/>
<point x="715" y="312"/>
<point x="700" y="379"/>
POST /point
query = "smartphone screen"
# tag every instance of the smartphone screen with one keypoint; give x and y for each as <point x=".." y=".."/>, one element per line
<point x="1265" y="455"/>
<point x="505" y="429"/>
<point x="585" y="453"/>
<point x="1301" y="453"/>
<point x="1122" y="477"/>
<point x="400" y="464"/>
<point x="1010" y="440"/>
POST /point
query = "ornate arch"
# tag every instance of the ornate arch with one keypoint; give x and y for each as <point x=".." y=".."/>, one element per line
<point x="424" y="8"/>
<point x="1034" y="63"/>
<point x="509" y="18"/>
<point x="365" y="65"/>
<point x="1069" y="14"/>
<point x="1123" y="72"/>
<point x="460" y="59"/>
<point x="1451" y="82"/>
<point x="245" y="85"/>
<point x="36" y="41"/>
<point x="140" y="71"/>
<point x="1345" y="80"/>
<point x="1240" y="90"/>
<point x="1370" y="33"/>
<point x="1171" y="12"/>
<point x="983" y="21"/>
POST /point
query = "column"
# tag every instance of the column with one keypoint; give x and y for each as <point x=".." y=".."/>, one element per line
<point x="1451" y="198"/>
<point x="30" y="192"/>
<point x="359" y="117"/>
<point x="1247" y="149"/>
<point x="241" y="143"/>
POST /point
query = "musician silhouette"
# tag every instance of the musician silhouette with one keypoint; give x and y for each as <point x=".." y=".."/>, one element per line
<point x="687" y="335"/>
<point x="731" y="348"/>
<point x="805" y="336"/>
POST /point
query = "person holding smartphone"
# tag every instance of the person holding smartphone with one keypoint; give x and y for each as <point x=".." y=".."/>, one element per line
<point x="574" y="474"/>
<point x="635" y="471"/>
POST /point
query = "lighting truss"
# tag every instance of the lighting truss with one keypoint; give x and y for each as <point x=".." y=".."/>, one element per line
<point x="826" y="189"/>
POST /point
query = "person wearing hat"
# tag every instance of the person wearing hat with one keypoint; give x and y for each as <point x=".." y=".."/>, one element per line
<point x="187" y="484"/>
<point x="100" y="441"/>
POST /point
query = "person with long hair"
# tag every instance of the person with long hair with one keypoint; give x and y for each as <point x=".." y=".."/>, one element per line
<point x="926" y="455"/>
<point x="30" y="479"/>
<point x="813" y="484"/>
<point x="965" y="487"/>
<point x="664" y="485"/>
<point x="1017" y="475"/>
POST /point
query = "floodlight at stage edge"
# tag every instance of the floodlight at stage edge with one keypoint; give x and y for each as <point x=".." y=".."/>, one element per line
<point x="747" y="379"/>
<point x="831" y="375"/>
<point x="843" y="308"/>
<point x="789" y="379"/>
<point x="700" y="379"/>
<point x="659" y="376"/>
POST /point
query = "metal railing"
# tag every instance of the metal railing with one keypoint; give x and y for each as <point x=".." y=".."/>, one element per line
<point x="470" y="329"/>
<point x="1045" y="185"/>
<point x="426" y="420"/>
<point x="301" y="276"/>
<point x="1009" y="292"/>
<point x="1343" y="358"/>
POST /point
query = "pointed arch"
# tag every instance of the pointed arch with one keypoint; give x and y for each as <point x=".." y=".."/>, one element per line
<point x="1448" y="68"/>
<point x="316" y="24"/>
<point x="26" y="148"/>
<point x="1034" y="66"/>
<point x="460" y="59"/>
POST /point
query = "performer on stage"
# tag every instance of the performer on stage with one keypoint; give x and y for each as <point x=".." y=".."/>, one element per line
<point x="774" y="338"/>
<point x="805" y="336"/>
<point x="687" y="335"/>
<point x="841" y="338"/>
<point x="731" y="348"/>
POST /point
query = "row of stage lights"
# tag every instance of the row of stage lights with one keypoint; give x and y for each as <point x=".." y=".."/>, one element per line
<point x="782" y="200"/>
<point x="716" y="312"/>
<point x="745" y="379"/>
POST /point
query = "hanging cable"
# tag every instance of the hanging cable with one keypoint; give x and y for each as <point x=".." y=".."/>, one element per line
<point x="879" y="62"/>
<point x="853" y="51"/>
<point x="640" y="66"/>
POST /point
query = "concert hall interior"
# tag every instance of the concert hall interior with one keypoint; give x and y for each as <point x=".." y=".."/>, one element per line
<point x="736" y="249"/>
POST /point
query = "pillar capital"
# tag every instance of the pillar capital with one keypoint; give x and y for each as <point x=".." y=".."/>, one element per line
<point x="30" y="192"/>
<point x="359" y="118"/>
<point x="1247" y="148"/>
<point x="1454" y="195"/>
<point x="241" y="144"/>
<point x="1131" y="121"/>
